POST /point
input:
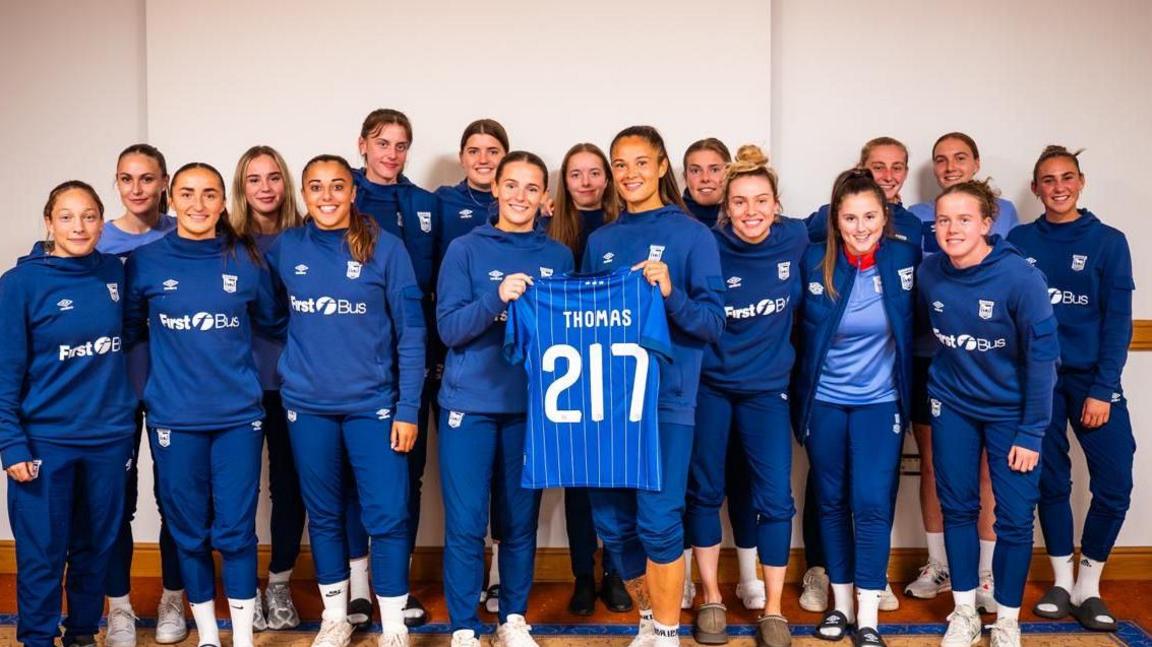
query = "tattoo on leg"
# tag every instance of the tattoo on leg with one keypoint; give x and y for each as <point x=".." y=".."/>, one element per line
<point x="638" y="589"/>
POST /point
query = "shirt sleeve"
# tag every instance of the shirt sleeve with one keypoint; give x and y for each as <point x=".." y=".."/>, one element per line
<point x="460" y="317"/>
<point x="698" y="308"/>
<point x="407" y="313"/>
<point x="135" y="304"/>
<point x="1116" y="288"/>
<point x="1036" y="328"/>
<point x="15" y="347"/>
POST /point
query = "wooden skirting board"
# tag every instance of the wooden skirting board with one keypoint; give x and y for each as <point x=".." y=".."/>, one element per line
<point x="552" y="565"/>
<point x="1141" y="334"/>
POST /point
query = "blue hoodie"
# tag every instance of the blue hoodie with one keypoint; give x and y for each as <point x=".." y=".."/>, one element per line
<point x="355" y="330"/>
<point x="998" y="341"/>
<point x="905" y="225"/>
<point x="1089" y="270"/>
<point x="695" y="307"/>
<point x="63" y="377"/>
<point x="707" y="214"/>
<point x="265" y="349"/>
<point x="821" y="315"/>
<point x="590" y="221"/>
<point x="1006" y="220"/>
<point x="462" y="209"/>
<point x="755" y="352"/>
<point x="197" y="303"/>
<point x="472" y="318"/>
<point x="408" y="212"/>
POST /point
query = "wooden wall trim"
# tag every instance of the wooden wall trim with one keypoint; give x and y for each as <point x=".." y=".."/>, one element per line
<point x="1141" y="334"/>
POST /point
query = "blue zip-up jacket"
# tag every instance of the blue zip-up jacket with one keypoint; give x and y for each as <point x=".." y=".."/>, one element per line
<point x="472" y="318"/>
<point x="1089" y="270"/>
<point x="462" y="209"/>
<point x="998" y="341"/>
<point x="63" y="376"/>
<point x="905" y="225"/>
<point x="1006" y="220"/>
<point x="408" y="212"/>
<point x="707" y="214"/>
<point x="820" y="317"/>
<point x="197" y="304"/>
<point x="755" y="352"/>
<point x="695" y="308"/>
<point x="355" y="330"/>
<point x="266" y="349"/>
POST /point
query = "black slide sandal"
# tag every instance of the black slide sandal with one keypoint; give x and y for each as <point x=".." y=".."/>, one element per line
<point x="868" y="637"/>
<point x="1057" y="597"/>
<point x="832" y="620"/>
<point x="1088" y="613"/>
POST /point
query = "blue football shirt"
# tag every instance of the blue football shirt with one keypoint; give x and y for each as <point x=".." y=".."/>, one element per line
<point x="592" y="347"/>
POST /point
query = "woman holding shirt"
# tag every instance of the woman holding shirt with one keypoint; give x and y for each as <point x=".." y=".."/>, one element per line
<point x="66" y="410"/>
<point x="744" y="391"/>
<point x="990" y="386"/>
<point x="852" y="387"/>
<point x="353" y="369"/>
<point x="263" y="205"/>
<point x="1089" y="270"/>
<point x="643" y="530"/>
<point x="483" y="401"/>
<point x="197" y="293"/>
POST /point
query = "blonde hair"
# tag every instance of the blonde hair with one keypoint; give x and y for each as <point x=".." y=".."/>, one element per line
<point x="877" y="142"/>
<point x="750" y="161"/>
<point x="241" y="212"/>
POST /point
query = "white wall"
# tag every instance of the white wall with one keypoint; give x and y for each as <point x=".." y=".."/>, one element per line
<point x="816" y="78"/>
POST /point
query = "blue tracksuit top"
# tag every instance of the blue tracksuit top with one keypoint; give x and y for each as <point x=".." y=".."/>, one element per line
<point x="590" y="221"/>
<point x="998" y="342"/>
<point x="63" y="376"/>
<point x="706" y="214"/>
<point x="197" y="303"/>
<point x="905" y="225"/>
<point x="1089" y="270"/>
<point x="1006" y="221"/>
<point x="471" y="317"/>
<point x="462" y="209"/>
<point x="355" y="330"/>
<point x="820" y="318"/>
<point x="695" y="308"/>
<point x="408" y="212"/>
<point x="266" y="349"/>
<point x="755" y="354"/>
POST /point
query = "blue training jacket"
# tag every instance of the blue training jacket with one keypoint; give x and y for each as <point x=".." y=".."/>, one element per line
<point x="820" y="317"/>
<point x="63" y="374"/>
<point x="408" y="212"/>
<point x="462" y="209"/>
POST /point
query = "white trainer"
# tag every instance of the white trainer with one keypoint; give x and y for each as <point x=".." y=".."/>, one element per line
<point x="514" y="632"/>
<point x="171" y="627"/>
<point x="645" y="634"/>
<point x="752" y="594"/>
<point x="963" y="628"/>
<point x="814" y="597"/>
<point x="464" y="638"/>
<point x="689" y="594"/>
<point x="1006" y="633"/>
<point x="397" y="638"/>
<point x="333" y="633"/>
<point x="121" y="628"/>
<point x="986" y="593"/>
<point x="888" y="600"/>
<point x="933" y="580"/>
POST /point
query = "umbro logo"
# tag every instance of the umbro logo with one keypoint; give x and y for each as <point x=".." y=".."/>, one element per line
<point x="170" y="285"/>
<point x="465" y="214"/>
<point x="301" y="269"/>
<point x="734" y="282"/>
<point x="383" y="414"/>
<point x="496" y="275"/>
<point x="937" y="306"/>
<point x="64" y="305"/>
<point x="609" y="257"/>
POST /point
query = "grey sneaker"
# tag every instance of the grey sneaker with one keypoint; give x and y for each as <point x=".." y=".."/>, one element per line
<point x="1006" y="633"/>
<point x="282" y="613"/>
<point x="814" y="598"/>
<point x="963" y="628"/>
<point x="933" y="580"/>
<point x="121" y="629"/>
<point x="258" y="622"/>
<point x="171" y="627"/>
<point x="986" y="593"/>
<point x="888" y="600"/>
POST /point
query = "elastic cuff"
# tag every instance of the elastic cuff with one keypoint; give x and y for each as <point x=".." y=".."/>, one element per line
<point x="675" y="300"/>
<point x="18" y="453"/>
<point x="1028" y="441"/>
<point x="408" y="413"/>
<point x="1102" y="392"/>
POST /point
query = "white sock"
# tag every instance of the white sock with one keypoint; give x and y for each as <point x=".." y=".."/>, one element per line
<point x="687" y="564"/>
<point x="279" y="578"/>
<point x="172" y="593"/>
<point x="936" y="550"/>
<point x="358" y="586"/>
<point x="842" y="600"/>
<point x="667" y="635"/>
<point x="120" y="602"/>
<point x="749" y="562"/>
<point x="1087" y="580"/>
<point x="1062" y="568"/>
<point x="494" y="569"/>
<point x="646" y="617"/>
<point x="964" y="598"/>
<point x="868" y="608"/>
<point x="335" y="598"/>
<point x="1007" y="613"/>
<point x="987" y="549"/>
<point x="392" y="613"/>
<point x="204" y="613"/>
<point x="243" y="612"/>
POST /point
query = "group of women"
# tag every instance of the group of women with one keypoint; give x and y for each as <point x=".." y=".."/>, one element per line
<point x="337" y="334"/>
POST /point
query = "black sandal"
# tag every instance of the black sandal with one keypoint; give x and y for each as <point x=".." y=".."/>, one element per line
<point x="868" y="637"/>
<point x="1088" y="613"/>
<point x="833" y="620"/>
<point x="1057" y="597"/>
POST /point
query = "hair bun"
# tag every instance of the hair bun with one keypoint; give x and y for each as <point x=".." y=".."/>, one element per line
<point x="752" y="154"/>
<point x="1055" y="149"/>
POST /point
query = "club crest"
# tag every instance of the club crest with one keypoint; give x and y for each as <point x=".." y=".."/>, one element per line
<point x="425" y="218"/>
<point x="229" y="283"/>
<point x="354" y="269"/>
<point x="113" y="291"/>
<point x="784" y="270"/>
<point x="907" y="277"/>
<point x="1078" y="262"/>
<point x="986" y="308"/>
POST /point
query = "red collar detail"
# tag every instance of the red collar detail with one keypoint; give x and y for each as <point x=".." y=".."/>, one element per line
<point x="864" y="261"/>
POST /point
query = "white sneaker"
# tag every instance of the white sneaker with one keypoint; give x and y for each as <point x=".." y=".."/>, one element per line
<point x="1006" y="633"/>
<point x="393" y="638"/>
<point x="888" y="600"/>
<point x="645" y="634"/>
<point x="689" y="594"/>
<point x="963" y="628"/>
<point x="492" y="600"/>
<point x="282" y="613"/>
<point x="933" y="580"/>
<point x="333" y="633"/>
<point x="121" y="628"/>
<point x="259" y="623"/>
<point x="985" y="593"/>
<point x="171" y="627"/>
<point x="514" y="632"/>
<point x="752" y="594"/>
<point x="465" y="638"/>
<point x="814" y="598"/>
